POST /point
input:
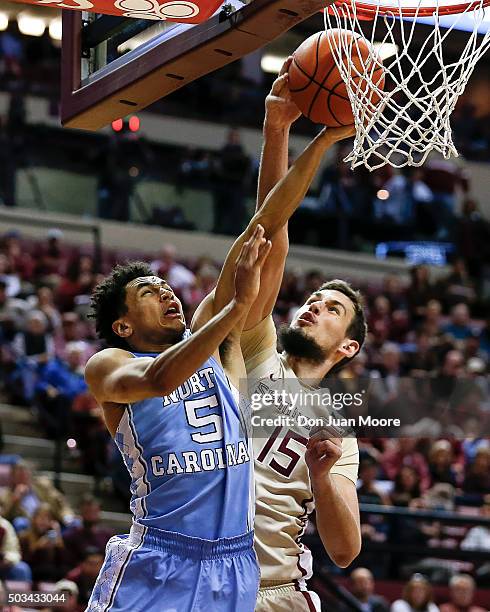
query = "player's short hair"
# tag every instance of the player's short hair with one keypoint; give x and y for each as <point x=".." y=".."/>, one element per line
<point x="109" y="300"/>
<point x="357" y="329"/>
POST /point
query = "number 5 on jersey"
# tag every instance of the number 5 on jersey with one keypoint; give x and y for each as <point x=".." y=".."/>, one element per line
<point x="199" y="421"/>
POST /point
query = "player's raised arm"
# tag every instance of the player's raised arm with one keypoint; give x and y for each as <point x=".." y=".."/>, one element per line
<point x="276" y="210"/>
<point x="115" y="376"/>
<point x="280" y="114"/>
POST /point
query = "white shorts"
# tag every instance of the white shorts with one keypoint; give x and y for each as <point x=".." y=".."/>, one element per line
<point x="287" y="598"/>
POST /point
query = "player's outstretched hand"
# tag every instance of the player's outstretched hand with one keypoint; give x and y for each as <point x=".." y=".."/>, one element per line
<point x="248" y="266"/>
<point x="334" y="134"/>
<point x="322" y="451"/>
<point x="280" y="110"/>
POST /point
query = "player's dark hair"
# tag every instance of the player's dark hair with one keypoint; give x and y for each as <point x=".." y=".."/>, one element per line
<point x="109" y="300"/>
<point x="357" y="329"/>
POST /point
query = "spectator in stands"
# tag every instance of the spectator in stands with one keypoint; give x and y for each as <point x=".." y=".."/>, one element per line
<point x="51" y="257"/>
<point x="445" y="381"/>
<point x="9" y="277"/>
<point x="472" y="349"/>
<point x="289" y="294"/>
<point x="168" y="268"/>
<point x="485" y="339"/>
<point x="432" y="321"/>
<point x="90" y="534"/>
<point x="387" y="390"/>
<point x="457" y="287"/>
<point x="11" y="565"/>
<point x="421" y="357"/>
<point x="43" y="301"/>
<point x="59" y="383"/>
<point x="19" y="258"/>
<point x="25" y="494"/>
<point x="478" y="537"/>
<point x="3" y="598"/>
<point x="362" y="587"/>
<point x="78" y="280"/>
<point x="35" y="343"/>
<point x="89" y="430"/>
<point x="407" y="486"/>
<point x="204" y="283"/>
<point x="405" y="190"/>
<point x="368" y="492"/>
<point x="403" y="452"/>
<point x="43" y="547"/>
<point x="445" y="178"/>
<point x="459" y="328"/>
<point x="477" y="477"/>
<point x="462" y="592"/>
<point x="69" y="590"/>
<point x="416" y="597"/>
<point x="394" y="290"/>
<point x="233" y="175"/>
<point x="12" y="310"/>
<point x="380" y="313"/>
<point x="85" y="574"/>
<point x="72" y="330"/>
<point x="33" y="347"/>
<point x="473" y="238"/>
<point x="419" y="292"/>
<point x="441" y="460"/>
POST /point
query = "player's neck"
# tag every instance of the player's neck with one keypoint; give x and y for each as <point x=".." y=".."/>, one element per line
<point x="149" y="347"/>
<point x="308" y="372"/>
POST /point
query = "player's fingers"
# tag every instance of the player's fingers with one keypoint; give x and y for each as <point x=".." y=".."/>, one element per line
<point x="326" y="447"/>
<point x="244" y="251"/>
<point x="257" y="236"/>
<point x="255" y="252"/>
<point x="279" y="85"/>
<point x="256" y="240"/>
<point x="264" y="251"/>
<point x="285" y="66"/>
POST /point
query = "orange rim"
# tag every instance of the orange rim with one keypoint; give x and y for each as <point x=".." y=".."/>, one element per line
<point x="369" y="11"/>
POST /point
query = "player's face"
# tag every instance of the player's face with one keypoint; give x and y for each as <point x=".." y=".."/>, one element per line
<point x="154" y="312"/>
<point x="325" y="318"/>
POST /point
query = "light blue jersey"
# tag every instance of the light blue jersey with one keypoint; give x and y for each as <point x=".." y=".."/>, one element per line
<point x="190" y="548"/>
<point x="189" y="458"/>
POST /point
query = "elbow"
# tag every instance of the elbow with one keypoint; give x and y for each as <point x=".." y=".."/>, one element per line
<point x="345" y="557"/>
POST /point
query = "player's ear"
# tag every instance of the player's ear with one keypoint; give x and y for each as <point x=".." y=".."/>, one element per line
<point x="122" y="328"/>
<point x="349" y="347"/>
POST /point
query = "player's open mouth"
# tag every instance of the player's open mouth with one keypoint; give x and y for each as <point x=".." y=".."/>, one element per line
<point x="308" y="317"/>
<point x="172" y="311"/>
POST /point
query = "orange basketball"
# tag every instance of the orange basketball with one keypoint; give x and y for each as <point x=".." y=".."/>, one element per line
<point x="316" y="85"/>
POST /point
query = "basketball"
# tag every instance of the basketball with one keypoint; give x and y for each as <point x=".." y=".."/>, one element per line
<point x="316" y="84"/>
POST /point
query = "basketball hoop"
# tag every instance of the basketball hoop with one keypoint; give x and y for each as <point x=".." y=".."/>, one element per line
<point x="423" y="76"/>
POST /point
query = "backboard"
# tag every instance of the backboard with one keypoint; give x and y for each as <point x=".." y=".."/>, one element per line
<point x="112" y="66"/>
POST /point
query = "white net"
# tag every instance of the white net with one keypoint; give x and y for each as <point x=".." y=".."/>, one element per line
<point x="426" y="73"/>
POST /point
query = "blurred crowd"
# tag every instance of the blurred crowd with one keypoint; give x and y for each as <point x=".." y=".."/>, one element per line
<point x="44" y="543"/>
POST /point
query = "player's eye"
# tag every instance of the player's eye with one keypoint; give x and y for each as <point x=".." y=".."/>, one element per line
<point x="334" y="308"/>
<point x="148" y="291"/>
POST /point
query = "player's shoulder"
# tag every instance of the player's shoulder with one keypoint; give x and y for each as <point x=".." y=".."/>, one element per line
<point x="266" y="364"/>
<point x="104" y="361"/>
<point x="350" y="447"/>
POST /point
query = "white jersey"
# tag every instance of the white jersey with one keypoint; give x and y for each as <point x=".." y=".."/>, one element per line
<point x="283" y="490"/>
